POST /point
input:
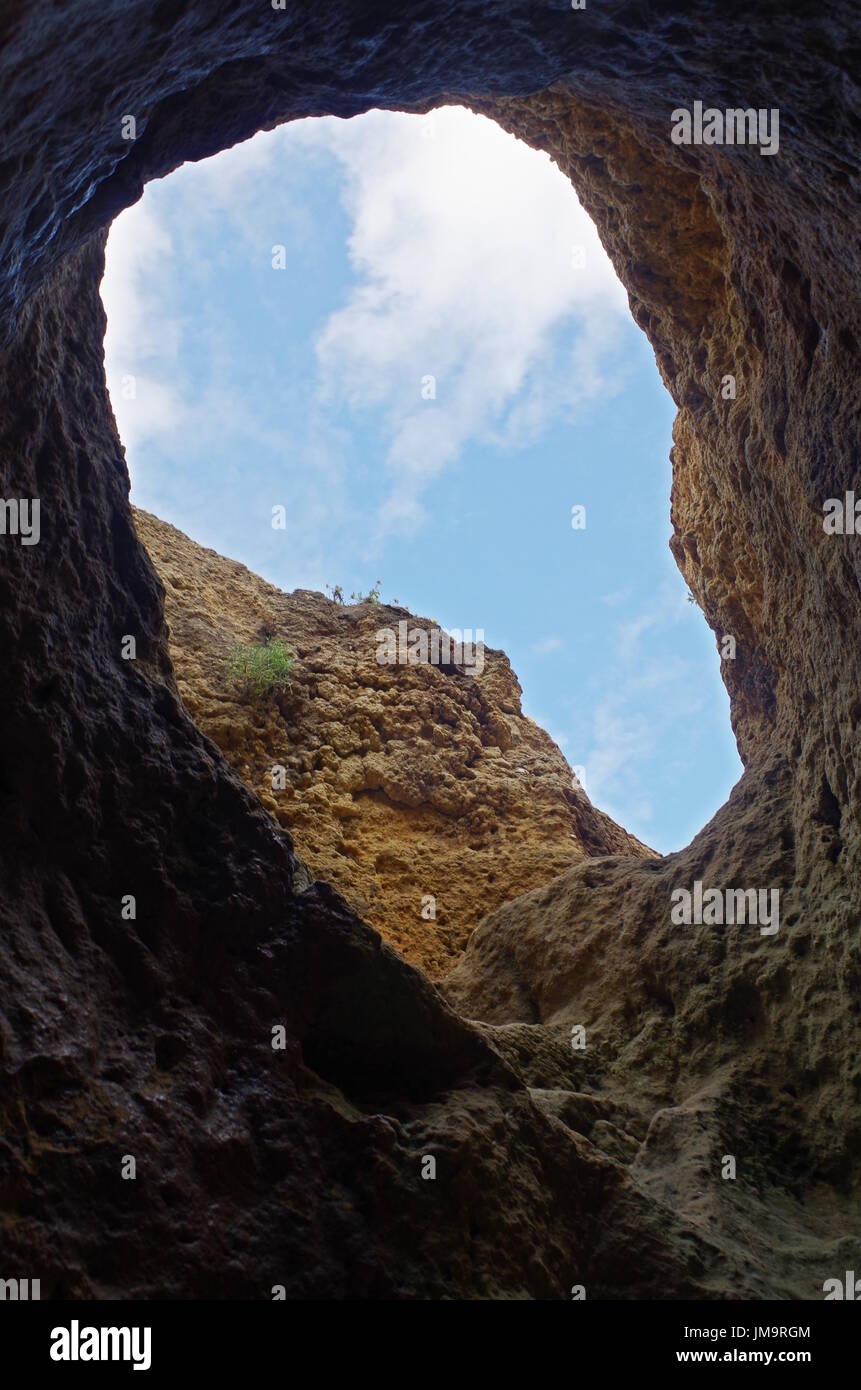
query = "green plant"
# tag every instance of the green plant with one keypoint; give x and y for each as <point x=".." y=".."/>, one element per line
<point x="372" y="596"/>
<point x="263" y="666"/>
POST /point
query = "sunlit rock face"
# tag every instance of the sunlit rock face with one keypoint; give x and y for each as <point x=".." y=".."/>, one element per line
<point x="151" y="1036"/>
<point x="416" y="787"/>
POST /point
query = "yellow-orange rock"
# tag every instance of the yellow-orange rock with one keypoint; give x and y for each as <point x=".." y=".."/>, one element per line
<point x="404" y="784"/>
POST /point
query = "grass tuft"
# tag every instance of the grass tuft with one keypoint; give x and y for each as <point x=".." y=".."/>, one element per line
<point x="262" y="667"/>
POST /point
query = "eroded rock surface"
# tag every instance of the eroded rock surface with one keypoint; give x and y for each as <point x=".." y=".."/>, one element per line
<point x="403" y="783"/>
<point x="152" y="1036"/>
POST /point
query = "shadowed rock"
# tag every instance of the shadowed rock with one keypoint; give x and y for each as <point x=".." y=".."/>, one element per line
<point x="152" y="1036"/>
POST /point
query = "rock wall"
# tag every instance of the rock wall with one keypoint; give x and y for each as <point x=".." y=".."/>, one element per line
<point x="401" y="782"/>
<point x="151" y="1036"/>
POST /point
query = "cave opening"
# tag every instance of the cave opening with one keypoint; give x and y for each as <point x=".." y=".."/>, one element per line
<point x="299" y="1171"/>
<point x="396" y="345"/>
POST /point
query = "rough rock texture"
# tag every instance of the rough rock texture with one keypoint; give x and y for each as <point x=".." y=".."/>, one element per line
<point x="402" y="782"/>
<point x="152" y="1036"/>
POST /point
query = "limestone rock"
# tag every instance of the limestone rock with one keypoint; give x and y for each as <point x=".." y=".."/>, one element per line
<point x="403" y="782"/>
<point x="151" y="1036"/>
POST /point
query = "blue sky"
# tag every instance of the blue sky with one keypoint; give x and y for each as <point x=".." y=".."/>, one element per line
<point x="416" y="248"/>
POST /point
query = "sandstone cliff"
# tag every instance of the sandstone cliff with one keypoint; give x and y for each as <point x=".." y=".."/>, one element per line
<point x="151" y="1035"/>
<point x="402" y="782"/>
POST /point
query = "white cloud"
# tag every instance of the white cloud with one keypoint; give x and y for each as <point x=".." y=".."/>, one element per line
<point x="621" y="738"/>
<point x="649" y="676"/>
<point x="547" y="645"/>
<point x="462" y="245"/>
<point x="617" y="596"/>
<point x="141" y="340"/>
<point x="667" y="608"/>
